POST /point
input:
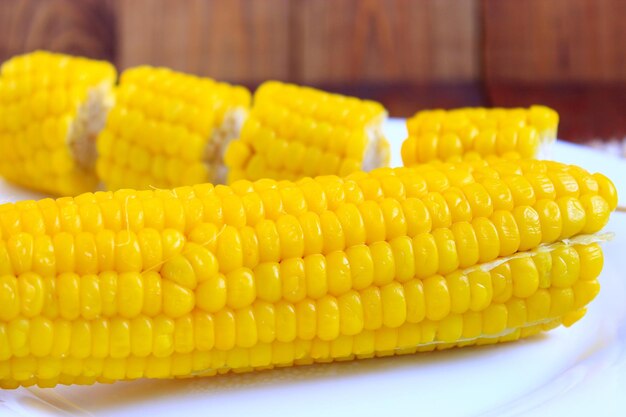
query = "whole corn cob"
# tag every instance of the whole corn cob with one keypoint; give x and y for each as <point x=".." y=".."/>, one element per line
<point x="169" y="129"/>
<point x="51" y="108"/>
<point x="442" y="135"/>
<point x="205" y="279"/>
<point x="293" y="132"/>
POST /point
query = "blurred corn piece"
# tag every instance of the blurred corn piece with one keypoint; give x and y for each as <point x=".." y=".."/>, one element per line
<point x="442" y="135"/>
<point x="169" y="129"/>
<point x="52" y="106"/>
<point x="294" y="132"/>
<point x="206" y="279"/>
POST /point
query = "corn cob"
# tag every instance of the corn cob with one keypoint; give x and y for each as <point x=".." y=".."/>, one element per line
<point x="442" y="135"/>
<point x="209" y="279"/>
<point x="293" y="132"/>
<point x="51" y="108"/>
<point x="169" y="129"/>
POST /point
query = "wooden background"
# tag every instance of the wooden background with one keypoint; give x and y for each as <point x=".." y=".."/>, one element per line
<point x="409" y="54"/>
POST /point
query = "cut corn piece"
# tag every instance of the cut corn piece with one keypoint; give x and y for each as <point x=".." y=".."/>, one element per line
<point x="442" y="135"/>
<point x="169" y="129"/>
<point x="294" y="132"/>
<point x="207" y="279"/>
<point x="52" y="106"/>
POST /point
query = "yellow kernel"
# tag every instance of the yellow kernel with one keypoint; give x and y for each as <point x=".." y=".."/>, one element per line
<point x="31" y="294"/>
<point x="246" y="328"/>
<point x="307" y="318"/>
<point x="573" y="214"/>
<point x="229" y="252"/>
<point x="565" y="267"/>
<point x="316" y="274"/>
<point x="177" y="300"/>
<point x="328" y="318"/>
<point x="591" y="261"/>
<point x="446" y="250"/>
<point x="291" y="237"/>
<point x="204" y="328"/>
<point x="481" y="290"/>
<point x="338" y="273"/>
<point x="525" y="277"/>
<point x="426" y="255"/>
<point x="508" y="232"/>
<point x="9" y="298"/>
<point x="153" y="294"/>
<point x="384" y="263"/>
<point x="361" y="266"/>
<point x="460" y="293"/>
<point x="202" y="261"/>
<point x="269" y="241"/>
<point x="211" y="294"/>
<point x="437" y="297"/>
<point x="292" y="276"/>
<point x="394" y="304"/>
<point x="68" y="285"/>
<point x="374" y="221"/>
<point x="404" y="258"/>
<point x="240" y="286"/>
<point x="129" y="294"/>
<point x="286" y="328"/>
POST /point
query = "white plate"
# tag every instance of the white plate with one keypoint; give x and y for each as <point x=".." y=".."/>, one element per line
<point x="575" y="372"/>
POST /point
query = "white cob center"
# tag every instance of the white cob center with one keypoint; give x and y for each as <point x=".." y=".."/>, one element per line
<point x="90" y="120"/>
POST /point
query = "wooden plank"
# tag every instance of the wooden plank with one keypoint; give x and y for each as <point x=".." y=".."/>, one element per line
<point x="353" y="41"/>
<point x="84" y="27"/>
<point x="237" y="41"/>
<point x="555" y="40"/>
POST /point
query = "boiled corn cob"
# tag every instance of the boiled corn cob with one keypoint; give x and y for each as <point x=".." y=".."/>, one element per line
<point x="169" y="129"/>
<point x="51" y="108"/>
<point x="209" y="279"/>
<point x="442" y="135"/>
<point x="293" y="132"/>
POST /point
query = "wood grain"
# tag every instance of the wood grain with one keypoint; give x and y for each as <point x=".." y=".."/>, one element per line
<point x="555" y="40"/>
<point x="237" y="41"/>
<point x="84" y="27"/>
<point x="352" y="41"/>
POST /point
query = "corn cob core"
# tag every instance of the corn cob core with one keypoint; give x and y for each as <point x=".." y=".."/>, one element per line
<point x="205" y="279"/>
<point x="51" y="108"/>
<point x="169" y="129"/>
<point x="293" y="132"/>
<point x="442" y="135"/>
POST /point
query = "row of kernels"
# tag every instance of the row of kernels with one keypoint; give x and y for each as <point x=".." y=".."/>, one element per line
<point x="432" y="146"/>
<point x="124" y="210"/>
<point x="504" y="233"/>
<point x="307" y="101"/>
<point x="47" y="372"/>
<point x="42" y="110"/>
<point x="270" y="129"/>
<point x="156" y="172"/>
<point x="166" y="81"/>
<point x="107" y="294"/>
<point x="153" y="124"/>
<point x="540" y="117"/>
<point x="488" y="327"/>
<point x="76" y="73"/>
<point x="30" y="294"/>
<point x="295" y="163"/>
<point x="88" y="253"/>
<point x="170" y="140"/>
<point x="381" y="264"/>
<point x="61" y="173"/>
<point x="179" y="88"/>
